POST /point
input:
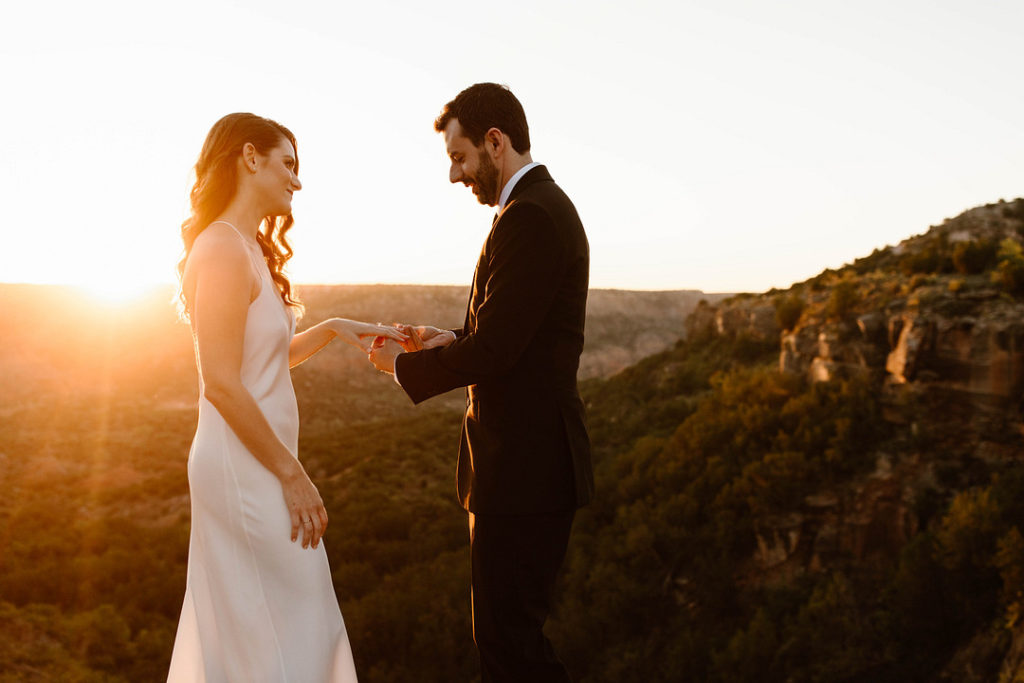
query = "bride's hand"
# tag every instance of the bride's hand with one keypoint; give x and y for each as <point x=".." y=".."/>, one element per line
<point x="361" y="335"/>
<point x="305" y="507"/>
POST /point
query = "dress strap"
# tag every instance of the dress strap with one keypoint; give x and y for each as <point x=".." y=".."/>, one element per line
<point x="237" y="231"/>
<point x="247" y="243"/>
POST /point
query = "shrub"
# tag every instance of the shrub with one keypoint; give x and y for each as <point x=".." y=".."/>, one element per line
<point x="842" y="299"/>
<point x="918" y="280"/>
<point x="1014" y="209"/>
<point x="821" y="280"/>
<point x="830" y="638"/>
<point x="1009" y="275"/>
<point x="788" y="311"/>
<point x="749" y="654"/>
<point x="967" y="535"/>
<point x="974" y="257"/>
<point x="1009" y="560"/>
<point x="935" y="257"/>
<point x="879" y="258"/>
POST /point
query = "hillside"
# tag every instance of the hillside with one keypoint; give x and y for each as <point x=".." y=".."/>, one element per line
<point x="818" y="484"/>
<point x="824" y="483"/>
<point x="97" y="413"/>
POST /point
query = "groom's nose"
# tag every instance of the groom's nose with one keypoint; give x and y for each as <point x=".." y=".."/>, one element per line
<point x="455" y="173"/>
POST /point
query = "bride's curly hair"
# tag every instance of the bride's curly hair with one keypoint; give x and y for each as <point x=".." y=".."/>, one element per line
<point x="216" y="180"/>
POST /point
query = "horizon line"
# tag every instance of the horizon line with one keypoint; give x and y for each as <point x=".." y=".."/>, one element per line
<point x="164" y="284"/>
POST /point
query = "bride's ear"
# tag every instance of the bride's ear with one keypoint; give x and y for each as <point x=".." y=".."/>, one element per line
<point x="249" y="157"/>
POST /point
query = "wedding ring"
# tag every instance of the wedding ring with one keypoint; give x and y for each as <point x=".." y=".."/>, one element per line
<point x="309" y="522"/>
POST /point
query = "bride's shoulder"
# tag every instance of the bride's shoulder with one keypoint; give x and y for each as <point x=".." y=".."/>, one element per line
<point x="219" y="249"/>
<point x="218" y="242"/>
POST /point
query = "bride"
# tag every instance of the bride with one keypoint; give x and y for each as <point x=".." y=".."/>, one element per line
<point x="259" y="603"/>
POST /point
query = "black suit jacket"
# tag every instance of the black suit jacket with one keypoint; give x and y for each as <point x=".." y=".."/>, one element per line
<point x="524" y="447"/>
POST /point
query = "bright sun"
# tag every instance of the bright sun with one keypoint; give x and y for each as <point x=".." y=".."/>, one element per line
<point x="117" y="292"/>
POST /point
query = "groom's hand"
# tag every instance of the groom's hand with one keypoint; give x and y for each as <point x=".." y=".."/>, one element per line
<point x="424" y="337"/>
<point x="432" y="337"/>
<point x="383" y="354"/>
<point x="413" y="342"/>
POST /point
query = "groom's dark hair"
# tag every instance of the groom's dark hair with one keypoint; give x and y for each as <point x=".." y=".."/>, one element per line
<point x="484" y="106"/>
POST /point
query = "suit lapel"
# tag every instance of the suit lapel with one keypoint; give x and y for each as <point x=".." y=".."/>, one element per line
<point x="534" y="175"/>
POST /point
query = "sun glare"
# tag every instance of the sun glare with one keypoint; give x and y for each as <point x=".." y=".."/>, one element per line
<point x="117" y="293"/>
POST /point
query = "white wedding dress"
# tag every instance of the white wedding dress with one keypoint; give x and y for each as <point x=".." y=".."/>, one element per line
<point x="258" y="607"/>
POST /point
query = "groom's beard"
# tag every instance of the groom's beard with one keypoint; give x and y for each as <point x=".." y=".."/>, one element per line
<point x="485" y="184"/>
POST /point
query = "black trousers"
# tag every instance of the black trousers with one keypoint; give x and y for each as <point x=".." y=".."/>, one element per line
<point x="515" y="560"/>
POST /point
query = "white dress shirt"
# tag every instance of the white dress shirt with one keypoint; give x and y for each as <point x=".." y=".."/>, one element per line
<point x="507" y="190"/>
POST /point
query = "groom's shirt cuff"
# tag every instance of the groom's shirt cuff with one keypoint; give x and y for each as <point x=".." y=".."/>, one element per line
<point x="394" y="371"/>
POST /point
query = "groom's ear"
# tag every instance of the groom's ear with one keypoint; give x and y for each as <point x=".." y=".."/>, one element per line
<point x="494" y="141"/>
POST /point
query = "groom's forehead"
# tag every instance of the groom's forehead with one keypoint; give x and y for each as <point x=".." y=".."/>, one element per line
<point x="454" y="140"/>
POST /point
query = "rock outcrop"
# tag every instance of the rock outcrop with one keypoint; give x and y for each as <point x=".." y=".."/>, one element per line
<point x="977" y="349"/>
<point x="874" y="517"/>
<point x="947" y="352"/>
<point x="742" y="315"/>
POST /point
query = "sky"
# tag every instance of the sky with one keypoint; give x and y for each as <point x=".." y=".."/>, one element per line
<point x="707" y="144"/>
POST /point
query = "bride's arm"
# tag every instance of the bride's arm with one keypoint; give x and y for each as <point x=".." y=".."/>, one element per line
<point x="220" y="280"/>
<point x="306" y="343"/>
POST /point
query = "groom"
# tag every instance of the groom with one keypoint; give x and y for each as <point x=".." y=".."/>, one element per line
<point x="524" y="460"/>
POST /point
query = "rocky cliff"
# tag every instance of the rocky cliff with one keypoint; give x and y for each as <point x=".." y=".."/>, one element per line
<point x="941" y="336"/>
